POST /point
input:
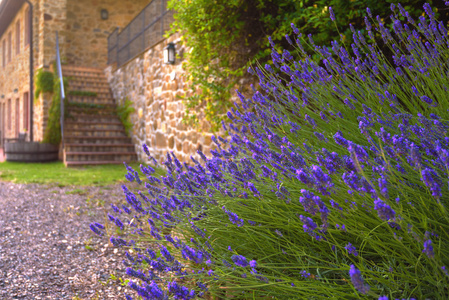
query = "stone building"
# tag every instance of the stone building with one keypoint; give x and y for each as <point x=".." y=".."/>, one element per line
<point x="83" y="35"/>
<point x="125" y="39"/>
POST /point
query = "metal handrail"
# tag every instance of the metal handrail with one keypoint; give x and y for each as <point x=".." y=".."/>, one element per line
<point x="124" y="45"/>
<point x="61" y="84"/>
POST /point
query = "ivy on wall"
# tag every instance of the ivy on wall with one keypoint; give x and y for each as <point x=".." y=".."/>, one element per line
<point x="44" y="82"/>
<point x="52" y="134"/>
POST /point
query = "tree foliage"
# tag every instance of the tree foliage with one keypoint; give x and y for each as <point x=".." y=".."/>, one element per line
<point x="227" y="36"/>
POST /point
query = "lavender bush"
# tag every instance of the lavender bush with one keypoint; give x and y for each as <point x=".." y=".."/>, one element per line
<point x="333" y="182"/>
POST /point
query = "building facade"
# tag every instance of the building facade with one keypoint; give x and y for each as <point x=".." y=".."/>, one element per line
<point x="83" y="26"/>
<point x="125" y="39"/>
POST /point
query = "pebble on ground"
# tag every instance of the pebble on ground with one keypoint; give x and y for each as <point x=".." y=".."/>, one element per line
<point x="47" y="250"/>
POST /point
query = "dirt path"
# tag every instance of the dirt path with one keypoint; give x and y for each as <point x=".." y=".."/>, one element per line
<point x="47" y="250"/>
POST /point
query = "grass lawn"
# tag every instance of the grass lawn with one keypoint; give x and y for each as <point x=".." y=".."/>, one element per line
<point x="56" y="173"/>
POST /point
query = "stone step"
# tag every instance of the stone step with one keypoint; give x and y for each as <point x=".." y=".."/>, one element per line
<point x="103" y="109"/>
<point x="94" y="106"/>
<point x="68" y="139"/>
<point x="92" y="100"/>
<point x="79" y="117"/>
<point x="77" y="68"/>
<point x="83" y="74"/>
<point x="100" y="156"/>
<point x="91" y="163"/>
<point x="99" y="147"/>
<point x="70" y="125"/>
<point x="92" y="132"/>
<point x="87" y="84"/>
<point x="77" y="79"/>
<point x="100" y="92"/>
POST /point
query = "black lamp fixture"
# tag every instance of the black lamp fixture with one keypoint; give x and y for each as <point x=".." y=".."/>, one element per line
<point x="170" y="54"/>
<point x="3" y="96"/>
<point x="16" y="91"/>
<point x="104" y="14"/>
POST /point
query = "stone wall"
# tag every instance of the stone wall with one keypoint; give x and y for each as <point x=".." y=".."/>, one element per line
<point x="52" y="18"/>
<point x="154" y="89"/>
<point x="87" y="33"/>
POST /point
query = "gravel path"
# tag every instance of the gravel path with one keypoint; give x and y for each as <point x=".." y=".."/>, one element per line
<point x="47" y="250"/>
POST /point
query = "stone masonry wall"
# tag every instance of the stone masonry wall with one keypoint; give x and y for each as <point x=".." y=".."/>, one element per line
<point x="154" y="88"/>
<point x="87" y="34"/>
<point x="53" y="17"/>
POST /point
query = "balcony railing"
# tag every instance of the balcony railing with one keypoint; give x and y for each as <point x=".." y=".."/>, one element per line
<point x="145" y="30"/>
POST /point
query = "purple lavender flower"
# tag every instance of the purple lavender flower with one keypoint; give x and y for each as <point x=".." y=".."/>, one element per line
<point x="304" y="274"/>
<point x="331" y="13"/>
<point x="310" y="120"/>
<point x="179" y="291"/>
<point x="166" y="254"/>
<point x="384" y="211"/>
<point x="432" y="181"/>
<point x="234" y="218"/>
<point x="240" y="260"/>
<point x="392" y="7"/>
<point x="426" y="99"/>
<point x="357" y="280"/>
<point x="100" y="226"/>
<point x="428" y="249"/>
<point x="95" y="229"/>
<point x="369" y="12"/>
<point x="253" y="264"/>
<point x="253" y="189"/>
<point x="309" y="225"/>
<point x="351" y="249"/>
<point x="145" y="149"/>
<point x="428" y="10"/>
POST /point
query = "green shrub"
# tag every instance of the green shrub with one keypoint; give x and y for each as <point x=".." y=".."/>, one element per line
<point x="124" y="112"/>
<point x="44" y="82"/>
<point x="52" y="134"/>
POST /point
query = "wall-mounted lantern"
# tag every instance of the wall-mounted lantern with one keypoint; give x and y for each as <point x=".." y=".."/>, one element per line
<point x="104" y="14"/>
<point x="3" y="96"/>
<point x="16" y="91"/>
<point x="170" y="54"/>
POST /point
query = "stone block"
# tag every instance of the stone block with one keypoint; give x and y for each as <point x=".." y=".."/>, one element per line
<point x="180" y="126"/>
<point x="193" y="137"/>
<point x="205" y="126"/>
<point x="178" y="146"/>
<point x="161" y="140"/>
<point x="207" y="140"/>
<point x="171" y="142"/>
<point x="186" y="147"/>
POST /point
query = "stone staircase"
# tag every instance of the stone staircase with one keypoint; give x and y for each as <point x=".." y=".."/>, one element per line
<point x="93" y="134"/>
